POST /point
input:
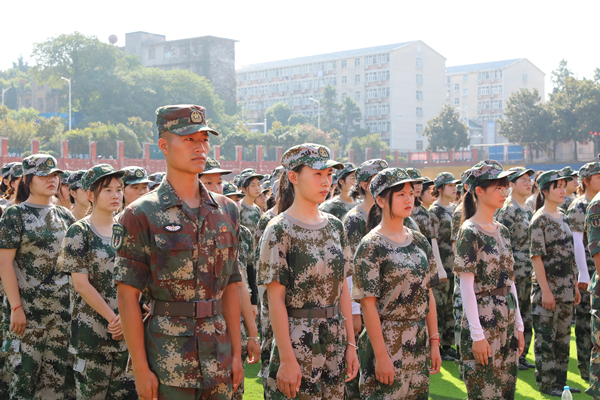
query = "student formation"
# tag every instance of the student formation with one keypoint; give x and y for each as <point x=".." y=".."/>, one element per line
<point x="343" y="281"/>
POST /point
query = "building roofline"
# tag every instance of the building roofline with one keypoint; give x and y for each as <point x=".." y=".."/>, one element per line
<point x="485" y="66"/>
<point x="179" y="40"/>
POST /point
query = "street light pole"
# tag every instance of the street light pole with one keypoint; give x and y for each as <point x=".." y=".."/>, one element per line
<point x="68" y="80"/>
<point x="3" y="91"/>
<point x="318" y="112"/>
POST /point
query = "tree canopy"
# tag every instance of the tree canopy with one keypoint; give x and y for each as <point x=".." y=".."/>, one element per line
<point x="446" y="131"/>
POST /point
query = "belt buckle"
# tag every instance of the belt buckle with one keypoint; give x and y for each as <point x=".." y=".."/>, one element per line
<point x="203" y="308"/>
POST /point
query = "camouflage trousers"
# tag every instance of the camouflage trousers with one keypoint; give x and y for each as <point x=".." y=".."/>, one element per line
<point x="498" y="379"/>
<point x="408" y="346"/>
<point x="551" y="345"/>
<point x="523" y="286"/>
<point x="222" y="391"/>
<point x="594" y="389"/>
<point x="320" y="347"/>
<point x="266" y="339"/>
<point x="583" y="334"/>
<point x="443" y="294"/>
<point x="458" y="316"/>
<point x="37" y="363"/>
<point x="4" y="375"/>
<point x="100" y="376"/>
<point x="239" y="393"/>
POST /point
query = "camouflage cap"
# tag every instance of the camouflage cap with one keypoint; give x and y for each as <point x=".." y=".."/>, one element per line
<point x="64" y="176"/>
<point x="427" y="180"/>
<point x="134" y="176"/>
<point x="459" y="187"/>
<point x="589" y="169"/>
<point x="74" y="180"/>
<point x="6" y="169"/>
<point x="156" y="179"/>
<point x="212" y="166"/>
<point x="485" y="170"/>
<point x="569" y="171"/>
<point x="414" y="173"/>
<point x="444" y="178"/>
<point x="551" y="176"/>
<point x="182" y="119"/>
<point x="519" y="172"/>
<point x="229" y="189"/>
<point x="248" y="176"/>
<point x="266" y="185"/>
<point x="16" y="170"/>
<point x="464" y="175"/>
<point x="277" y="172"/>
<point x="97" y="172"/>
<point x="370" y="168"/>
<point x="312" y="155"/>
<point x="388" y="178"/>
<point x="347" y="170"/>
<point x="266" y="177"/>
<point x="40" y="165"/>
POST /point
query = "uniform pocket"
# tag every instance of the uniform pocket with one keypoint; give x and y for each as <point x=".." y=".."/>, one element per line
<point x="174" y="256"/>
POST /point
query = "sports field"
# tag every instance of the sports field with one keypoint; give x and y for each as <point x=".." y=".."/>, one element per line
<point x="447" y="384"/>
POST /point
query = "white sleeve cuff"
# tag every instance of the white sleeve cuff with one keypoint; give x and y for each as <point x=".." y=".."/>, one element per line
<point x="580" y="258"/>
<point x="467" y="290"/>
<point x="438" y="260"/>
<point x="520" y="326"/>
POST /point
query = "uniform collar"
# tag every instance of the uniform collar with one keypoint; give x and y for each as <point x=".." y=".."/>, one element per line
<point x="169" y="198"/>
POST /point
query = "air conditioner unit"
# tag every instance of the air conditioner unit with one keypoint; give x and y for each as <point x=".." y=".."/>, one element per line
<point x="316" y="74"/>
<point x="281" y="78"/>
<point x="303" y="91"/>
<point x="492" y="80"/>
<point x="366" y="83"/>
<point x="303" y="75"/>
<point x="270" y="94"/>
<point x="379" y="100"/>
<point x="366" y="66"/>
<point x="270" y="79"/>
<point x="303" y="107"/>
<point x="478" y="111"/>
<point x="379" y="117"/>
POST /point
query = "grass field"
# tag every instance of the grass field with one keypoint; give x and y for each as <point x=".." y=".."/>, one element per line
<point x="447" y="384"/>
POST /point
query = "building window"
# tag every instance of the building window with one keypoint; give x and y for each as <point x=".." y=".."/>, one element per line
<point x="419" y="111"/>
<point x="419" y="128"/>
<point x="419" y="95"/>
<point x="448" y="80"/>
<point x="419" y="62"/>
<point x="40" y="104"/>
<point x="357" y="95"/>
<point x="456" y="86"/>
<point x="344" y="79"/>
<point x="465" y="92"/>
<point x="356" y="78"/>
<point x="357" y="62"/>
<point x="168" y="52"/>
<point x="344" y="63"/>
<point x="465" y="78"/>
<point x="456" y="101"/>
<point x="151" y="54"/>
<point x="465" y="106"/>
<point x="419" y="145"/>
<point x="525" y="78"/>
<point x="344" y="95"/>
<point x="419" y="79"/>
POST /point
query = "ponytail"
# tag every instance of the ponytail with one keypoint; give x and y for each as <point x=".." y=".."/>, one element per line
<point x="540" y="199"/>
<point x="23" y="189"/>
<point x="374" y="217"/>
<point x="469" y="206"/>
<point x="285" y="195"/>
<point x="582" y="187"/>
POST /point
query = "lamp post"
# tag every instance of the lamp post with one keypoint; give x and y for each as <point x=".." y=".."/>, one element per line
<point x="4" y="91"/>
<point x="318" y="112"/>
<point x="68" y="80"/>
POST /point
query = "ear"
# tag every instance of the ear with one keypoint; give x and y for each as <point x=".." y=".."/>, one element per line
<point x="293" y="177"/>
<point x="163" y="143"/>
<point x="380" y="201"/>
<point x="90" y="196"/>
<point x="479" y="191"/>
<point x="365" y="185"/>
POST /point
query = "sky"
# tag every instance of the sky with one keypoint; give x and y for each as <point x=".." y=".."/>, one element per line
<point x="464" y="32"/>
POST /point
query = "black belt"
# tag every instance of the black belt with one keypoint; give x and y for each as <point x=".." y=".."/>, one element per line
<point x="501" y="291"/>
<point x="191" y="309"/>
<point x="328" y="312"/>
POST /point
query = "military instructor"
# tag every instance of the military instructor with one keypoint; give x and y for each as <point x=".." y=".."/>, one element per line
<point x="178" y="245"/>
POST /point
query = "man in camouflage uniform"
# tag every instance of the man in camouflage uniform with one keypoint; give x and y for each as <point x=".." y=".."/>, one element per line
<point x="337" y="206"/>
<point x="249" y="212"/>
<point x="179" y="244"/>
<point x="592" y="229"/>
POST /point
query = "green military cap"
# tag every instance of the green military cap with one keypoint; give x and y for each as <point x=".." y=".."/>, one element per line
<point x="388" y="178"/>
<point x="444" y="178"/>
<point x="248" y="175"/>
<point x="16" y="170"/>
<point x="6" y="170"/>
<point x="266" y="185"/>
<point x="312" y="155"/>
<point x="427" y="181"/>
<point x="277" y="172"/>
<point x="464" y="175"/>
<point x="459" y="187"/>
<point x="483" y="171"/>
<point x="212" y="166"/>
<point x="40" y="165"/>
<point x="74" y="180"/>
<point x="589" y="169"/>
<point x="519" y="172"/>
<point x="64" y="176"/>
<point x="551" y="176"/>
<point x="134" y="176"/>
<point x="369" y="168"/>
<point x="156" y="179"/>
<point x="97" y="172"/>
<point x="414" y="173"/>
<point x="569" y="171"/>
<point x="347" y="170"/>
<point x="267" y="177"/>
<point x="229" y="189"/>
<point x="182" y="119"/>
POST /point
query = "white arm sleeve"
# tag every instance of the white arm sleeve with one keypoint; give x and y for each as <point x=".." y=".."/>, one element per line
<point x="467" y="289"/>
<point x="355" y="305"/>
<point x="438" y="259"/>
<point x="520" y="326"/>
<point x="580" y="259"/>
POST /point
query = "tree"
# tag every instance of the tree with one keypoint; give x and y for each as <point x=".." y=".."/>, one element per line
<point x="359" y="144"/>
<point x="446" y="131"/>
<point x="331" y="109"/>
<point x="350" y="117"/>
<point x="560" y="75"/>
<point x="278" y="112"/>
<point x="298" y="119"/>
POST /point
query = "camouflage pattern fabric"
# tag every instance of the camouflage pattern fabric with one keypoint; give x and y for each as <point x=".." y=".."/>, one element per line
<point x="594" y="373"/>
<point x="40" y="165"/>
<point x="173" y="253"/>
<point x="337" y="207"/>
<point x="355" y="225"/>
<point x="455" y="223"/>
<point x="444" y="178"/>
<point x="84" y="251"/>
<point x="457" y="309"/>
<point x="421" y="216"/>
<point x="249" y="216"/>
<point x="592" y="229"/>
<point x="312" y="262"/>
<point x="485" y="170"/>
<point x="312" y="155"/>
<point x="4" y="376"/>
<point x="566" y="204"/>
<point x="583" y="333"/>
<point x="130" y="175"/>
<point x="182" y="119"/>
<point x="100" y="376"/>
<point x="221" y="391"/>
<point x="411" y="224"/>
<point x="488" y="255"/>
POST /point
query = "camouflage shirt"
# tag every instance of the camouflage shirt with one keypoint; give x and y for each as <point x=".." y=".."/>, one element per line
<point x="411" y="224"/>
<point x="260" y="230"/>
<point x="566" y="204"/>
<point x="592" y="225"/>
<point x="441" y="228"/>
<point x="576" y="220"/>
<point x="311" y="261"/>
<point x="421" y="216"/>
<point x="355" y="225"/>
<point x="249" y="216"/>
<point x="337" y="207"/>
<point x="517" y="220"/>
<point x="552" y="239"/>
<point x="246" y="252"/>
<point x="487" y="255"/>
<point x="175" y="254"/>
<point x="399" y="275"/>
<point x="37" y="232"/>
<point x="456" y="217"/>
<point x="85" y="251"/>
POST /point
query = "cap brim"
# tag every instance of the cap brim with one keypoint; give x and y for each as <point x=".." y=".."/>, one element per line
<point x="235" y="194"/>
<point x="456" y="181"/>
<point x="320" y="165"/>
<point x="137" y="181"/>
<point x="216" y="171"/>
<point x="517" y="175"/>
<point x="504" y="174"/>
<point x="193" y="129"/>
<point x="53" y="170"/>
<point x="403" y="182"/>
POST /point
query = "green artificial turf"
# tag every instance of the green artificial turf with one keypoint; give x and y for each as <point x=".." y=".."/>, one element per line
<point x="447" y="385"/>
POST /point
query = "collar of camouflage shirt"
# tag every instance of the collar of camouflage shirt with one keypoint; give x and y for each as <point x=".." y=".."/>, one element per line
<point x="169" y="198"/>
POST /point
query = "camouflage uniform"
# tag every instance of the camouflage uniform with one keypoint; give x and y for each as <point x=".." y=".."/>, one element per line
<point x="517" y="220"/>
<point x="592" y="229"/>
<point x="421" y="217"/>
<point x="249" y="216"/>
<point x="568" y="171"/>
<point x="552" y="239"/>
<point x="457" y="298"/>
<point x="583" y="332"/>
<point x="566" y="204"/>
<point x="399" y="275"/>
<point x="37" y="361"/>
<point x="337" y="207"/>
<point x="100" y="361"/>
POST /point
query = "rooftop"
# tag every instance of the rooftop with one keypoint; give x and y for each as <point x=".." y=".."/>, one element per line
<point x="323" y="57"/>
<point x="486" y="66"/>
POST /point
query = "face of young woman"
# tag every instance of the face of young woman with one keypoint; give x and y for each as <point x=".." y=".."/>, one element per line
<point x="110" y="198"/>
<point x="63" y="191"/>
<point x="417" y="189"/>
<point x="212" y="182"/>
<point x="403" y="202"/>
<point x="449" y="191"/>
<point x="427" y="197"/>
<point x="557" y="194"/>
<point x="493" y="196"/>
<point x="15" y="184"/>
<point x="80" y="197"/>
<point x="522" y="186"/>
<point x="134" y="192"/>
<point x="235" y="197"/>
<point x="594" y="183"/>
<point x="574" y="184"/>
<point x="253" y="190"/>
<point x="261" y="201"/>
<point x="44" y="185"/>
<point x="313" y="184"/>
<point x="348" y="182"/>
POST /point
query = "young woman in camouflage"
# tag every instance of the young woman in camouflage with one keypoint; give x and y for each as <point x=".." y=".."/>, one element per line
<point x="15" y="174"/>
<point x="572" y="188"/>
<point x="339" y="205"/>
<point x="62" y="197"/>
<point x="427" y="195"/>
<point x="97" y="342"/>
<point x="249" y="183"/>
<point x="592" y="229"/>
<point x="491" y="331"/>
<point x="136" y="184"/>
<point x="516" y="216"/>
<point x="590" y="183"/>
<point x="79" y="199"/>
<point x="304" y="260"/>
<point x="440" y="214"/>
<point x="395" y="270"/>
<point x="36" y="319"/>
<point x="555" y="288"/>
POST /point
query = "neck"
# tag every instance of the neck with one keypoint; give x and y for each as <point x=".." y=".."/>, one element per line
<point x="101" y="217"/>
<point x="186" y="185"/>
<point x="79" y="210"/>
<point x="39" y="199"/>
<point x="392" y="227"/>
<point x="344" y="197"/>
<point x="484" y="213"/>
<point x="249" y="201"/>
<point x="304" y="209"/>
<point x="589" y="194"/>
<point x="520" y="200"/>
<point x="65" y="204"/>
<point x="444" y="201"/>
<point x="550" y="207"/>
<point x="368" y="203"/>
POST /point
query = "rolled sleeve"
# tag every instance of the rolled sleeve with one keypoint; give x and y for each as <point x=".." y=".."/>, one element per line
<point x="132" y="266"/>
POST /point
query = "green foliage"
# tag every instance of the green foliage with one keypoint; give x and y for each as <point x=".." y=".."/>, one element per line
<point x="331" y="108"/>
<point x="298" y="119"/>
<point x="278" y="112"/>
<point x="373" y="142"/>
<point x="446" y="131"/>
<point x="343" y="117"/>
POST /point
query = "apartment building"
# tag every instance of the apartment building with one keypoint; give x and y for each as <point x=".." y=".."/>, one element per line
<point x="480" y="91"/>
<point x="398" y="87"/>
